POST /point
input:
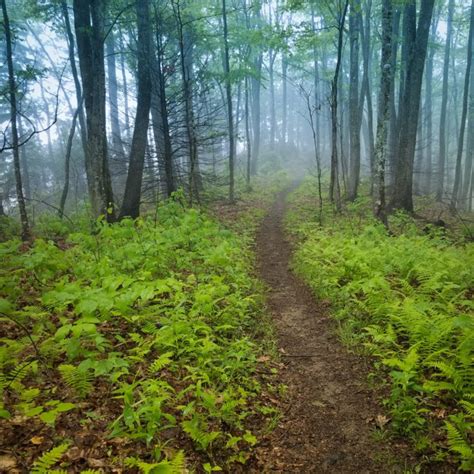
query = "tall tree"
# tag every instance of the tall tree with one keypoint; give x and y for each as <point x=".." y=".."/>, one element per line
<point x="89" y="17"/>
<point x="228" y="89"/>
<point x="386" y="79"/>
<point x="15" y="146"/>
<point x="334" y="188"/>
<point x="444" y="104"/>
<point x="402" y="190"/>
<point x="133" y="185"/>
<point x="465" y="102"/>
<point x="354" y="106"/>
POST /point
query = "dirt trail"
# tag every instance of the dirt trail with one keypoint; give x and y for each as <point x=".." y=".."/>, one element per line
<point x="330" y="412"/>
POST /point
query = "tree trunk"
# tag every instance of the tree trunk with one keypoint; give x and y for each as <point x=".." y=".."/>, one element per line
<point x="402" y="197"/>
<point x="159" y="114"/>
<point x="67" y="162"/>
<point x="465" y="199"/>
<point x="75" y="75"/>
<point x="117" y="145"/>
<point x="25" y="227"/>
<point x="354" y="106"/>
<point x="334" y="189"/>
<point x="426" y="182"/>
<point x="465" y="100"/>
<point x="256" y="86"/>
<point x="383" y="118"/>
<point x="133" y="186"/>
<point x="228" y="89"/>
<point x="444" y="104"/>
<point x="89" y="26"/>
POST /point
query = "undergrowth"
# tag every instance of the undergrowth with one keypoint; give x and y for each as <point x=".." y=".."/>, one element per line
<point x="405" y="298"/>
<point x="137" y="342"/>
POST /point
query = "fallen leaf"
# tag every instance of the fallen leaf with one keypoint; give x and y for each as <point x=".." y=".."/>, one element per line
<point x="381" y="420"/>
<point x="263" y="358"/>
<point x="7" y="462"/>
<point x="37" y="440"/>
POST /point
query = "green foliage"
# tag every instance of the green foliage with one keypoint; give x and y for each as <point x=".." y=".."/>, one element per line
<point x="48" y="460"/>
<point x="159" y="315"/>
<point x="404" y="298"/>
<point x="173" y="466"/>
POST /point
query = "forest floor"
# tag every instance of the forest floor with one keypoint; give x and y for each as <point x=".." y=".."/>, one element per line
<point x="330" y="415"/>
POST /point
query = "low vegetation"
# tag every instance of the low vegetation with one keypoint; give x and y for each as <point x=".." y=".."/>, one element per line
<point x="136" y="343"/>
<point x="405" y="298"/>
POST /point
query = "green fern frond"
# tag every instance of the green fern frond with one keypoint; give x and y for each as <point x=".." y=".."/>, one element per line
<point x="79" y="380"/>
<point x="44" y="464"/>
<point x="161" y="362"/>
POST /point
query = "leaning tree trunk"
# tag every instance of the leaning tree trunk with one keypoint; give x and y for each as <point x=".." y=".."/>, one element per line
<point x="133" y="185"/>
<point x="25" y="227"/>
<point x="402" y="192"/>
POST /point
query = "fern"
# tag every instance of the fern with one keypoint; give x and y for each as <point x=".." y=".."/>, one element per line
<point x="44" y="464"/>
<point x="78" y="379"/>
<point x="173" y="466"/>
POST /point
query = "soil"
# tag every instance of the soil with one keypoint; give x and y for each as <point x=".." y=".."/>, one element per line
<point x="330" y="414"/>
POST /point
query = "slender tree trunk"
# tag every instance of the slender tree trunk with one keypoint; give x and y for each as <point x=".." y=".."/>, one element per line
<point x="284" y="84"/>
<point x="75" y="75"/>
<point x="465" y="101"/>
<point x="383" y="118"/>
<point x="366" y="88"/>
<point x="159" y="113"/>
<point x="24" y="162"/>
<point x="354" y="106"/>
<point x="334" y="189"/>
<point x="465" y="200"/>
<point x="393" y="125"/>
<point x="125" y="89"/>
<point x="117" y="145"/>
<point x="133" y="186"/>
<point x="426" y="186"/>
<point x="67" y="162"/>
<point x="186" y="62"/>
<point x="228" y="89"/>
<point x="247" y="132"/>
<point x="444" y="105"/>
<point x="25" y="227"/>
<point x="256" y="86"/>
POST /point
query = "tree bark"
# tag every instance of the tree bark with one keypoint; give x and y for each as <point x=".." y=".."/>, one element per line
<point x="117" y="145"/>
<point x="228" y="89"/>
<point x="355" y="117"/>
<point x="402" y="197"/>
<point x="444" y="104"/>
<point x="334" y="189"/>
<point x="133" y="185"/>
<point x="25" y="226"/>
<point x="89" y="26"/>
<point x="465" y="101"/>
<point x="383" y="118"/>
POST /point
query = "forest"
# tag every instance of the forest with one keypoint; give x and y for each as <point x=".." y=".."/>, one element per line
<point x="236" y="235"/>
